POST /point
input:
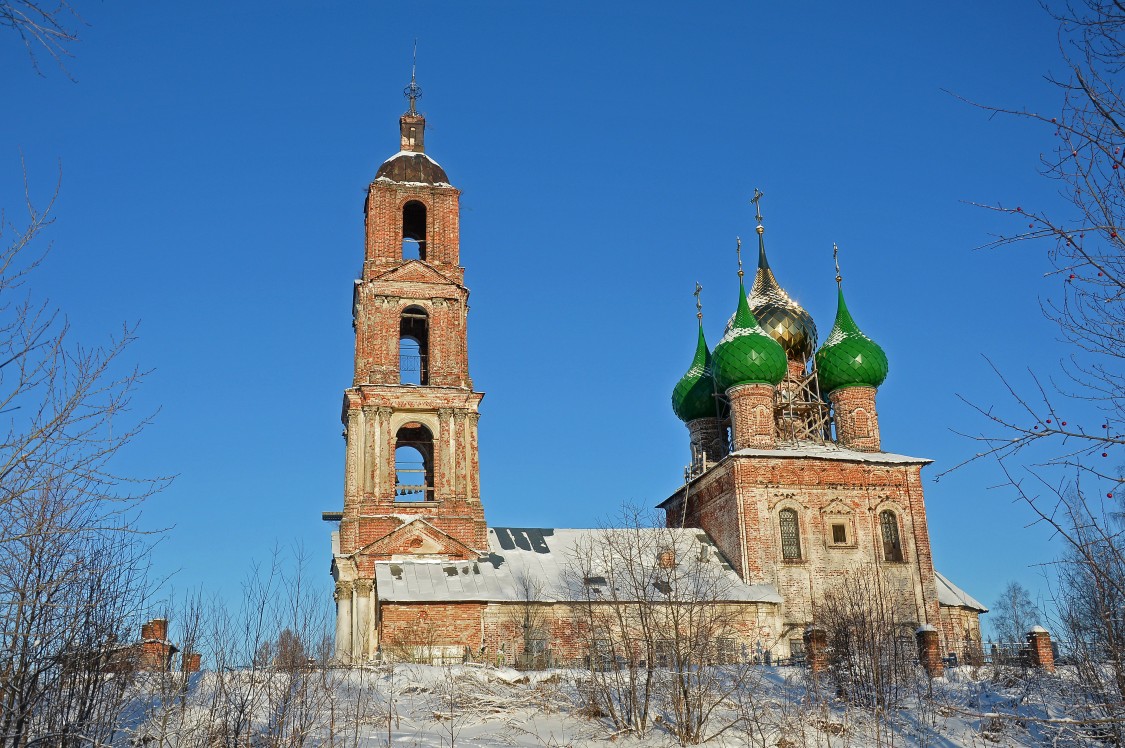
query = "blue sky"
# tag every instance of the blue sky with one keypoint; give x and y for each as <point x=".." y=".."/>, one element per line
<point x="215" y="156"/>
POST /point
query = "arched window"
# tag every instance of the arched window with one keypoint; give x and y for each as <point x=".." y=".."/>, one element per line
<point x="414" y="231"/>
<point x="414" y="463"/>
<point x="414" y="346"/>
<point x="892" y="547"/>
<point x="790" y="535"/>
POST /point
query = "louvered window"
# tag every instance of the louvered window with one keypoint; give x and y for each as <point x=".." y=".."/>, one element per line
<point x="790" y="535"/>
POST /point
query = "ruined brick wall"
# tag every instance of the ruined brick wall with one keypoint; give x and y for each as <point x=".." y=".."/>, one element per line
<point x="960" y="632"/>
<point x="374" y="416"/>
<point x="385" y="201"/>
<point x="404" y="626"/>
<point x="565" y="627"/>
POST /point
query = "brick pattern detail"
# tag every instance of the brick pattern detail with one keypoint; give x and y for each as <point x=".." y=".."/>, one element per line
<point x="751" y="412"/>
<point x="1040" y="652"/>
<point x="929" y="651"/>
<point x="857" y="423"/>
<point x="816" y="649"/>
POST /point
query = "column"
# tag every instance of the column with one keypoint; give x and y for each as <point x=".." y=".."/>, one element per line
<point x="444" y="455"/>
<point x="343" y="598"/>
<point x="362" y="649"/>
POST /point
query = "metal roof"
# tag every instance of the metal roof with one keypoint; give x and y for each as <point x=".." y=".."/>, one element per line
<point x="951" y="595"/>
<point x="539" y="564"/>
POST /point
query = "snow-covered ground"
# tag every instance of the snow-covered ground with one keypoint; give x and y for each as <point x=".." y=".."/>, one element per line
<point x="415" y="705"/>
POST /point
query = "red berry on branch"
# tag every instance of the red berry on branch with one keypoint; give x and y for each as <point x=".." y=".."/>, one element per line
<point x="1031" y="225"/>
<point x="1072" y="276"/>
<point x="1105" y="425"/>
<point x="1099" y="275"/>
<point x="1109" y="495"/>
<point x="1105" y="454"/>
<point x="1019" y="209"/>
<point x="1063" y="423"/>
<point x="1113" y="235"/>
<point x="1048" y="420"/>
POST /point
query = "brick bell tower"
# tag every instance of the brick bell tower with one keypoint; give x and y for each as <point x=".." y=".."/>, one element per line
<point x="412" y="486"/>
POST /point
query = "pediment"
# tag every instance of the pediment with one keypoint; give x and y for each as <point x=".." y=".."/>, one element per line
<point x="417" y="538"/>
<point x="837" y="507"/>
<point x="413" y="271"/>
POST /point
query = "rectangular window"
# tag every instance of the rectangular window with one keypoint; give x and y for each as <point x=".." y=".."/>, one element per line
<point x="839" y="534"/>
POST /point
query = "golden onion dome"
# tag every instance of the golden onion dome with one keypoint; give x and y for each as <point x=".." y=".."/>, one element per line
<point x="783" y="319"/>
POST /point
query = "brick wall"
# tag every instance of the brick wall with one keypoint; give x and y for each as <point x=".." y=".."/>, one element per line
<point x="857" y="423"/>
<point x="751" y="413"/>
<point x="738" y="502"/>
<point x="960" y="632"/>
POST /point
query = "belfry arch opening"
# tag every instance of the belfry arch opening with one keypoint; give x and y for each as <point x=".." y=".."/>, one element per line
<point x="414" y="346"/>
<point x="414" y="231"/>
<point x="414" y="463"/>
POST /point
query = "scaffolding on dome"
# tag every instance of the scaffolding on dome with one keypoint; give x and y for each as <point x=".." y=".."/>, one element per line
<point x="801" y="413"/>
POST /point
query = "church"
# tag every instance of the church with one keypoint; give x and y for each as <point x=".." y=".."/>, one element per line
<point x="788" y="489"/>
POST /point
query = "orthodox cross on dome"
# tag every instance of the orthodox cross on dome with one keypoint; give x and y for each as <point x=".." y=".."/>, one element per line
<point x="836" y="259"/>
<point x="413" y="91"/>
<point x="698" y="303"/>
<point x="738" y="251"/>
<point x="756" y="202"/>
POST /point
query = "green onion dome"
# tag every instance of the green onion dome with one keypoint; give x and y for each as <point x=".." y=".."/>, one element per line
<point x="746" y="354"/>
<point x="783" y="319"/>
<point x="849" y="358"/>
<point x="694" y="395"/>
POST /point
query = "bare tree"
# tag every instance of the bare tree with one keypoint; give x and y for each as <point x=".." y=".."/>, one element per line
<point x="663" y="631"/>
<point x="41" y="27"/>
<point x="871" y="647"/>
<point x="530" y="618"/>
<point x="72" y="561"/>
<point x="1068" y="468"/>
<point x="1013" y="614"/>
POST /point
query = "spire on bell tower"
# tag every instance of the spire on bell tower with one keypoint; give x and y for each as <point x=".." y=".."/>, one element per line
<point x="412" y="125"/>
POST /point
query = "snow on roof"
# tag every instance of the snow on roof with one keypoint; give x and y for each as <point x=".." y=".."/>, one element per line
<point x="951" y="595"/>
<point x="543" y="556"/>
<point x="388" y="180"/>
<point x="411" y="153"/>
<point x="833" y="452"/>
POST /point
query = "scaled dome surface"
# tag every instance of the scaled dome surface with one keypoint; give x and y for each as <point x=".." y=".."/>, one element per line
<point x="693" y="396"/>
<point x="746" y="354"/>
<point x="849" y="358"/>
<point x="783" y="319"/>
